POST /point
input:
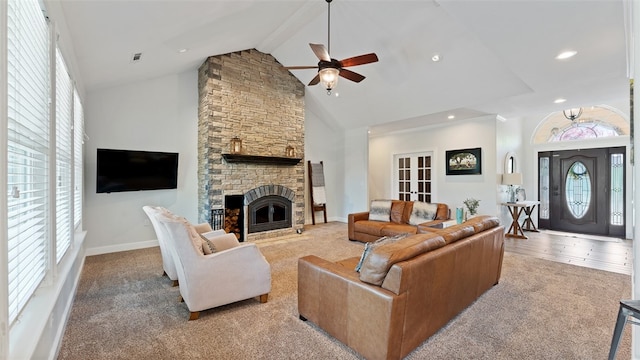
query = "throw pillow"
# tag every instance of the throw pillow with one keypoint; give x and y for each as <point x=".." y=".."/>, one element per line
<point x="364" y="255"/>
<point x="216" y="244"/>
<point x="370" y="246"/>
<point x="422" y="212"/>
<point x="207" y="246"/>
<point x="380" y="210"/>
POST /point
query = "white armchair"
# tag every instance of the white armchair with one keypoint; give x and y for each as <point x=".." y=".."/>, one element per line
<point x="166" y="248"/>
<point x="161" y="233"/>
<point x="235" y="272"/>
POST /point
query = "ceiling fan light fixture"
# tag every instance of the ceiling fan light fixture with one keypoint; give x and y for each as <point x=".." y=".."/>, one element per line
<point x="329" y="78"/>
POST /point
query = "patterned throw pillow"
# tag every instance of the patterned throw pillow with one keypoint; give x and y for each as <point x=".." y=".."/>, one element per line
<point x="219" y="243"/>
<point x="207" y="246"/>
<point x="422" y="212"/>
<point x="368" y="247"/>
<point x="380" y="210"/>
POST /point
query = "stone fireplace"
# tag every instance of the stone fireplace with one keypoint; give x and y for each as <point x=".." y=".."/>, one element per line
<point x="249" y="95"/>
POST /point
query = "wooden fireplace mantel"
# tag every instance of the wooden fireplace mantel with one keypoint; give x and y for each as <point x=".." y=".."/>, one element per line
<point x="258" y="159"/>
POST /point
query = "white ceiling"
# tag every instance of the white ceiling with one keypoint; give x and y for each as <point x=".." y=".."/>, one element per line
<point x="497" y="57"/>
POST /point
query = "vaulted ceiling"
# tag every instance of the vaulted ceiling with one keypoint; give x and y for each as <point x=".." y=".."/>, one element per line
<point x="496" y="57"/>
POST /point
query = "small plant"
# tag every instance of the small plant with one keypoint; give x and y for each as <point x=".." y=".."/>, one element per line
<point x="472" y="205"/>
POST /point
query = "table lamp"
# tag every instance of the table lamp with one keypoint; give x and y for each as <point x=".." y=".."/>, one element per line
<point x="512" y="179"/>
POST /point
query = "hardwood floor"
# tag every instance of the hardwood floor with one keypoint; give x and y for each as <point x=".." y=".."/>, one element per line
<point x="609" y="254"/>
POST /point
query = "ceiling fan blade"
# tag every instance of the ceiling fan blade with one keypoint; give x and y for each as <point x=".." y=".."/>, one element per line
<point x="300" y="67"/>
<point x="348" y="74"/>
<point x="320" y="51"/>
<point x="315" y="80"/>
<point x="359" y="60"/>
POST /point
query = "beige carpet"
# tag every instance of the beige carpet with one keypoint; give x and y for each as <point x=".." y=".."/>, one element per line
<point x="540" y="309"/>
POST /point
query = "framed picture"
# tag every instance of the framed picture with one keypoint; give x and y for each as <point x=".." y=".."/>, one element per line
<point x="464" y="161"/>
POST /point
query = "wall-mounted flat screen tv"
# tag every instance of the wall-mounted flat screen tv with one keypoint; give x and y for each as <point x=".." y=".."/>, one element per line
<point x="131" y="170"/>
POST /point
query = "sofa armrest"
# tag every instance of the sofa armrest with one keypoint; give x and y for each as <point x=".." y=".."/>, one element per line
<point x="365" y="317"/>
<point x="352" y="220"/>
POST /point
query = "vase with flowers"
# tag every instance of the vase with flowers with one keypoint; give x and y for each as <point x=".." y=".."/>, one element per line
<point x="472" y="207"/>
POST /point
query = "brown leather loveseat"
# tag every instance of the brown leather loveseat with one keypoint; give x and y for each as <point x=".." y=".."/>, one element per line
<point x="398" y="220"/>
<point x="406" y="289"/>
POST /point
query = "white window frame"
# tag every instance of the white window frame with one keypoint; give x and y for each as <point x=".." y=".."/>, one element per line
<point x="37" y="322"/>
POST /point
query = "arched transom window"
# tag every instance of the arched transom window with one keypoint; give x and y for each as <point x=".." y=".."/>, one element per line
<point x="594" y="122"/>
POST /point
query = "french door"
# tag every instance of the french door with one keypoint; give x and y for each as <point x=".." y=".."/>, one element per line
<point x="413" y="176"/>
<point x="583" y="191"/>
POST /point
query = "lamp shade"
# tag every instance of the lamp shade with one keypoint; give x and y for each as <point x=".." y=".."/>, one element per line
<point x="512" y="179"/>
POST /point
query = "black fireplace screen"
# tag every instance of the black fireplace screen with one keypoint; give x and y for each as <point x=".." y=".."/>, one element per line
<point x="269" y="213"/>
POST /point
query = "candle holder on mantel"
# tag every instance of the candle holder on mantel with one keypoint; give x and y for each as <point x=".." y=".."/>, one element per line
<point x="290" y="151"/>
<point x="236" y="145"/>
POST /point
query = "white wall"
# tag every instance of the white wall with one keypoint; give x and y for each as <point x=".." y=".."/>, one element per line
<point x="453" y="189"/>
<point x="509" y="140"/>
<point x="156" y="115"/>
<point x="323" y="142"/>
<point x="354" y="171"/>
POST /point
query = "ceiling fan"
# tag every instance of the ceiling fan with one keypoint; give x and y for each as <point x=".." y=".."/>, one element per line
<point x="329" y="69"/>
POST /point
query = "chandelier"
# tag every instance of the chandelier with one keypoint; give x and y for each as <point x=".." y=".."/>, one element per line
<point x="572" y="114"/>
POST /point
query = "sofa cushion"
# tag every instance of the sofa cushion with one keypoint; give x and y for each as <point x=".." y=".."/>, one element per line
<point x="452" y="233"/>
<point x="368" y="247"/>
<point x="370" y="227"/>
<point x="397" y="210"/>
<point x="422" y="212"/>
<point x="392" y="229"/>
<point x="483" y="222"/>
<point x="380" y="259"/>
<point x="443" y="212"/>
<point x="380" y="210"/>
<point x="406" y="213"/>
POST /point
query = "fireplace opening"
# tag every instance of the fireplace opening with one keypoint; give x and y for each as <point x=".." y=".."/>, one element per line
<point x="234" y="215"/>
<point x="269" y="213"/>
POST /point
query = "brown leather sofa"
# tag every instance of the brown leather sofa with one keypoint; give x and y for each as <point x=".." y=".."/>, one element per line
<point x="363" y="229"/>
<point x="426" y="280"/>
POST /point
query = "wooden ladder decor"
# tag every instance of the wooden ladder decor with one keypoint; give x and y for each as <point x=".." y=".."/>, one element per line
<point x="318" y="196"/>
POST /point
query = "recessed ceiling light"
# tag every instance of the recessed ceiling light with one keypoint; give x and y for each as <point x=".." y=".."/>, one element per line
<point x="183" y="50"/>
<point x="566" y="54"/>
<point x="435" y="58"/>
<point x="136" y="57"/>
<point x="559" y="101"/>
<point x="451" y="117"/>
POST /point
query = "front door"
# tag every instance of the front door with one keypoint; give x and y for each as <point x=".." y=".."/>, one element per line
<point x="582" y="191"/>
<point x="413" y="176"/>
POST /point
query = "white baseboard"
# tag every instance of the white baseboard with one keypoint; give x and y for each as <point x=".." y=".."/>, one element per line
<point x="120" y="247"/>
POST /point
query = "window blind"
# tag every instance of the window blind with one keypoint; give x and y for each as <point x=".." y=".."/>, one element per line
<point x="64" y="98"/>
<point x="78" y="141"/>
<point x="27" y="149"/>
